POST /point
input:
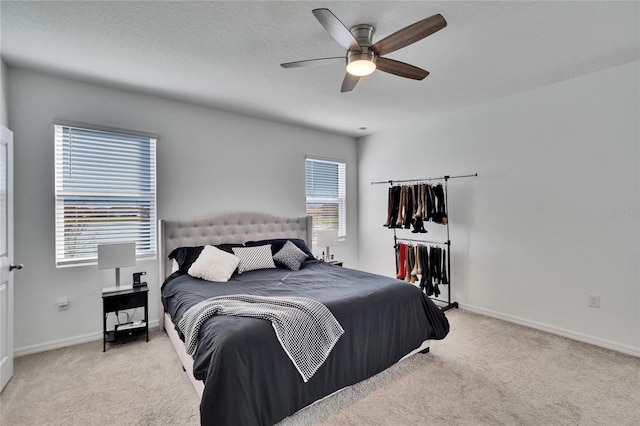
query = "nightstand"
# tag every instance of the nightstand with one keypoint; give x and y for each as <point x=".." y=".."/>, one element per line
<point x="136" y="297"/>
<point x="335" y="262"/>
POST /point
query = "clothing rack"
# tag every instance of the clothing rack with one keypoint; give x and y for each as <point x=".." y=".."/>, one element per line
<point x="422" y="241"/>
<point x="445" y="178"/>
<point x="448" y="303"/>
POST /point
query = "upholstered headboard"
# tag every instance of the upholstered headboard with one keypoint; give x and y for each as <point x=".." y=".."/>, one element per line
<point x="226" y="228"/>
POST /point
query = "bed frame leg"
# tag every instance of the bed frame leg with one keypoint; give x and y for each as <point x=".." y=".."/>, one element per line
<point x="425" y="351"/>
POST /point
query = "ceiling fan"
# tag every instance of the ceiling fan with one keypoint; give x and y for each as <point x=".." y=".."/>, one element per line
<point x="363" y="56"/>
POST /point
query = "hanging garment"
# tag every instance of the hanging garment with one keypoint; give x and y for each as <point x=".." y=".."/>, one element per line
<point x="389" y="206"/>
<point x="435" y="251"/>
<point x="425" y="278"/>
<point x="440" y="212"/>
<point x="401" y="211"/>
<point x="435" y="270"/>
<point x="420" y="201"/>
<point x="424" y="261"/>
<point x="429" y="203"/>
<point x="415" y="195"/>
<point x="445" y="278"/>
<point x="411" y="265"/>
<point x="423" y="206"/>
<point x="417" y="268"/>
<point x="408" y="204"/>
<point x="402" y="262"/>
<point x="395" y="206"/>
<point x="408" y="263"/>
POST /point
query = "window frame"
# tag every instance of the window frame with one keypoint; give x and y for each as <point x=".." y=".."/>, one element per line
<point x="145" y="200"/>
<point x="340" y="199"/>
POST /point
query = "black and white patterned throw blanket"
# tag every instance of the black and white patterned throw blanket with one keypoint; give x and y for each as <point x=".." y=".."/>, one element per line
<point x="306" y="329"/>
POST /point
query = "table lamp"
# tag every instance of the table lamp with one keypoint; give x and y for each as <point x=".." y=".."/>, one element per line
<point x="327" y="238"/>
<point x="116" y="256"/>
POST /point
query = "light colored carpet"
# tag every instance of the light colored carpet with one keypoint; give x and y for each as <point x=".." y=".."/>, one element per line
<point x="486" y="372"/>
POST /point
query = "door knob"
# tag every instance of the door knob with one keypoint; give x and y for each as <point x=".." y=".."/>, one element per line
<point x="18" y="266"/>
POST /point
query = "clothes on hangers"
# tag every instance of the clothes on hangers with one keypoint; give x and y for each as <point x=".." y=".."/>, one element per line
<point x="428" y="262"/>
<point x="405" y="207"/>
<point x="411" y="205"/>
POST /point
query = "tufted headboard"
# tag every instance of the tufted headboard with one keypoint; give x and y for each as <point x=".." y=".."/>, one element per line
<point x="227" y="228"/>
<point x="221" y="228"/>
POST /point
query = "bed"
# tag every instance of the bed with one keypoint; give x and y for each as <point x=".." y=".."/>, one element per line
<point x="249" y="378"/>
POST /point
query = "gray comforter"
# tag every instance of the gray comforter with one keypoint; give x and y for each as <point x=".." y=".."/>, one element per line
<point x="306" y="329"/>
<point x="249" y="380"/>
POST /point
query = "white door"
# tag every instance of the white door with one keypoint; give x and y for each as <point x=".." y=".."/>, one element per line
<point x="6" y="256"/>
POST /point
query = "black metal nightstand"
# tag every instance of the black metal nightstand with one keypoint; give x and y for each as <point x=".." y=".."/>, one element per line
<point x="119" y="301"/>
<point x="335" y="262"/>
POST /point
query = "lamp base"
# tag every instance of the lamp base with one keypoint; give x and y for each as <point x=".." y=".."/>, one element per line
<point x="328" y="257"/>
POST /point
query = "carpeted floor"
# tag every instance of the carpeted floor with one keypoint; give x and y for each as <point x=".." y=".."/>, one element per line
<point x="486" y="372"/>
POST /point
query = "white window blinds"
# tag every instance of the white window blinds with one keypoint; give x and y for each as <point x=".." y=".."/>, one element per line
<point x="326" y="195"/>
<point x="105" y="189"/>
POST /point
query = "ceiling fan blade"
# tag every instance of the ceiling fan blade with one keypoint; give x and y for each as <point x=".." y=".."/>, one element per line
<point x="313" y="62"/>
<point x="349" y="83"/>
<point x="409" y="35"/>
<point x="400" y="68"/>
<point x="336" y="29"/>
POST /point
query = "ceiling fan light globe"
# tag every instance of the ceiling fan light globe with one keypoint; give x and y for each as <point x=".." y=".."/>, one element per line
<point x="361" y="68"/>
<point x="361" y="64"/>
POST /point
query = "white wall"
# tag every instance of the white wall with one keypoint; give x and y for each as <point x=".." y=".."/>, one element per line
<point x="553" y="215"/>
<point x="208" y="161"/>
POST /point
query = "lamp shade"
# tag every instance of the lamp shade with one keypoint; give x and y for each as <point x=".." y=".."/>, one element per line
<point x="116" y="255"/>
<point x="327" y="238"/>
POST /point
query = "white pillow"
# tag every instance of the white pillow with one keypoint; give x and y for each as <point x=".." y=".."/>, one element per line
<point x="252" y="258"/>
<point x="214" y="264"/>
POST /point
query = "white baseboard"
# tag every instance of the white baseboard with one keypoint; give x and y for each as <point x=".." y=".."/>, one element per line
<point x="68" y="341"/>
<point x="630" y="350"/>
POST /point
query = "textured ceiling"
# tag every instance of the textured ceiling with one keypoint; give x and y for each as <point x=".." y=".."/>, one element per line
<point x="227" y="54"/>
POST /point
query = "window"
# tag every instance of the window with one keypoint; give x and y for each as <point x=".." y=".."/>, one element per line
<point x="105" y="189"/>
<point x="326" y="195"/>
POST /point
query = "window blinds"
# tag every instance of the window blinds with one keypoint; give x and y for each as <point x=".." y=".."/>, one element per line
<point x="105" y="189"/>
<point x="326" y="195"/>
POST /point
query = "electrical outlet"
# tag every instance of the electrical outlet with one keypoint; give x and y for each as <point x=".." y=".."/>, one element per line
<point x="63" y="303"/>
<point x="594" y="301"/>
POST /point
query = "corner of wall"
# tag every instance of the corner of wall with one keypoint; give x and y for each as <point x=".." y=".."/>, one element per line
<point x="4" y="116"/>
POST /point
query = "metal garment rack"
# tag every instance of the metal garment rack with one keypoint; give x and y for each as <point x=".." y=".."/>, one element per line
<point x="448" y="303"/>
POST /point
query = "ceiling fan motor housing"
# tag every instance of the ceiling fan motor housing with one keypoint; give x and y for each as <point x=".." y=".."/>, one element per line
<point x="364" y="55"/>
<point x="363" y="34"/>
<point x="362" y="62"/>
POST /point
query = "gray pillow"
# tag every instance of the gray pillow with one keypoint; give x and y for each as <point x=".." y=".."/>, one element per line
<point x="290" y="256"/>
